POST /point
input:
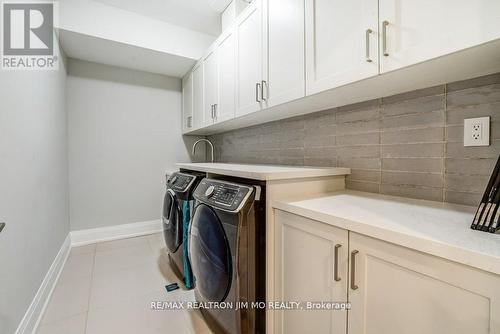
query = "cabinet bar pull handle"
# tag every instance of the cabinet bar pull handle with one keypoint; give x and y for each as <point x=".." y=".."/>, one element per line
<point x="2" y="225"/>
<point x="190" y="121"/>
<point x="336" y="276"/>
<point x="212" y="111"/>
<point x="353" y="270"/>
<point x="257" y="88"/>
<point x="264" y="84"/>
<point x="215" y="111"/>
<point x="384" y="38"/>
<point x="367" y="35"/>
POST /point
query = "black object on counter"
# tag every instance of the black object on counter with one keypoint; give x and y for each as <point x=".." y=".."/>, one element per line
<point x="488" y="214"/>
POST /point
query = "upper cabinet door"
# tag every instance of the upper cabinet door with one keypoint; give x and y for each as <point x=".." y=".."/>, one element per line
<point x="249" y="29"/>
<point x="226" y="64"/>
<point x="415" y="31"/>
<point x="197" y="96"/>
<point x="341" y="42"/>
<point x="285" y="56"/>
<point x="210" y="91"/>
<point x="187" y="102"/>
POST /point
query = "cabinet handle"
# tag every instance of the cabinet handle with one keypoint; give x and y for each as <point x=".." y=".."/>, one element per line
<point x="215" y="111"/>
<point x="2" y="225"/>
<point x="336" y="276"/>
<point x="353" y="270"/>
<point x="212" y="111"/>
<point x="264" y="84"/>
<point x="257" y="88"/>
<point x="384" y="38"/>
<point x="190" y="121"/>
<point x="367" y="36"/>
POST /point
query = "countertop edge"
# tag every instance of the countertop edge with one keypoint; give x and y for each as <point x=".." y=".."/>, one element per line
<point x="430" y="246"/>
<point x="269" y="176"/>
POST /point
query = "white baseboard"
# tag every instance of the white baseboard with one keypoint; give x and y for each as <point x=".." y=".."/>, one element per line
<point x="35" y="311"/>
<point x="91" y="236"/>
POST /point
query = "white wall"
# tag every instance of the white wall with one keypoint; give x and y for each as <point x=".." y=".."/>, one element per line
<point x="124" y="133"/>
<point x="33" y="185"/>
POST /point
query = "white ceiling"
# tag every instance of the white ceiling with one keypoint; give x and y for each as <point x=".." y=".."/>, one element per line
<point x="199" y="15"/>
<point x="113" y="53"/>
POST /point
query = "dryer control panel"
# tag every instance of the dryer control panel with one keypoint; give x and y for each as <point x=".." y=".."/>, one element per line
<point x="225" y="195"/>
<point x="180" y="182"/>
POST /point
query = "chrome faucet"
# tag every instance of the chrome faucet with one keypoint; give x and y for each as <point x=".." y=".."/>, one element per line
<point x="209" y="143"/>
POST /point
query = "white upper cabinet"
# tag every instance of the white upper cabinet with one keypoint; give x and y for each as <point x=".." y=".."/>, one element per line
<point x="187" y="102"/>
<point x="279" y="51"/>
<point x="341" y="42"/>
<point x="197" y="96"/>
<point x="285" y="52"/>
<point x="226" y="73"/>
<point x="415" y="31"/>
<point x="210" y="87"/>
<point x="250" y="40"/>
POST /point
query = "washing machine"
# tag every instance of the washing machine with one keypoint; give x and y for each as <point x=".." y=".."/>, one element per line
<point x="227" y="254"/>
<point x="177" y="208"/>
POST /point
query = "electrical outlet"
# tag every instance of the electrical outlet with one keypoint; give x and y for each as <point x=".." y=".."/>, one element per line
<point x="477" y="131"/>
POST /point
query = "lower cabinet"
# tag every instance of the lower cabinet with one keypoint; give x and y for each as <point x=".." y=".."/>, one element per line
<point x="396" y="290"/>
<point x="311" y="265"/>
<point x="391" y="289"/>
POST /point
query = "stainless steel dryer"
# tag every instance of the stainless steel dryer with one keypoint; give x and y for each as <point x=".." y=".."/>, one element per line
<point x="227" y="253"/>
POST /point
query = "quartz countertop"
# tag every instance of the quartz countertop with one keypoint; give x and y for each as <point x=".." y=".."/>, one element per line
<point x="264" y="172"/>
<point x="435" y="228"/>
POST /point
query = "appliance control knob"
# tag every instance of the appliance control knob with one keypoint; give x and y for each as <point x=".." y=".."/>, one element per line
<point x="173" y="179"/>
<point x="210" y="191"/>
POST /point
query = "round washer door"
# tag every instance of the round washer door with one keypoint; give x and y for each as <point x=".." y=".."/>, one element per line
<point x="172" y="221"/>
<point x="210" y="255"/>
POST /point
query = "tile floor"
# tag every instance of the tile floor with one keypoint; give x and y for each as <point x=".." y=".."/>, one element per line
<point x="107" y="288"/>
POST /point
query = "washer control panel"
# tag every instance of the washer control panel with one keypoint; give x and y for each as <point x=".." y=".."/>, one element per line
<point x="225" y="195"/>
<point x="180" y="182"/>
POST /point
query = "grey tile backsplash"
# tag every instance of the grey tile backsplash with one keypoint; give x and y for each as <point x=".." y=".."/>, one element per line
<point x="410" y="144"/>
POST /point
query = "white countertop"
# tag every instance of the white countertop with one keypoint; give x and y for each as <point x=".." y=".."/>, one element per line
<point x="431" y="227"/>
<point x="264" y="172"/>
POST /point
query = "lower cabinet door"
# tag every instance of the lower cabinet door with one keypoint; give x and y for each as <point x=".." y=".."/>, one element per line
<point x="395" y="290"/>
<point x="311" y="266"/>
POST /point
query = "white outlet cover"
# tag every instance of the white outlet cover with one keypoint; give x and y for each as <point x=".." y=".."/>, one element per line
<point x="477" y="131"/>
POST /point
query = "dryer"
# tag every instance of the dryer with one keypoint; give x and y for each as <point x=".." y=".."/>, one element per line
<point x="177" y="206"/>
<point x="227" y="254"/>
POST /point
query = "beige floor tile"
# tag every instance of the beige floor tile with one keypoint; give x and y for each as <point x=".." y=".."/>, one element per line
<point x="111" y="287"/>
<point x="123" y="258"/>
<point x="83" y="250"/>
<point x="72" y="325"/>
<point x="195" y="322"/>
<point x="136" y="316"/>
<point x="70" y="297"/>
<point x="122" y="243"/>
<point x="116" y="285"/>
<point x="157" y="242"/>
<point x="185" y="295"/>
<point x="77" y="265"/>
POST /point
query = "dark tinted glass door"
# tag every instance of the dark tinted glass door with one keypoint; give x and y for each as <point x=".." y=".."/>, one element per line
<point x="172" y="221"/>
<point x="210" y="255"/>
